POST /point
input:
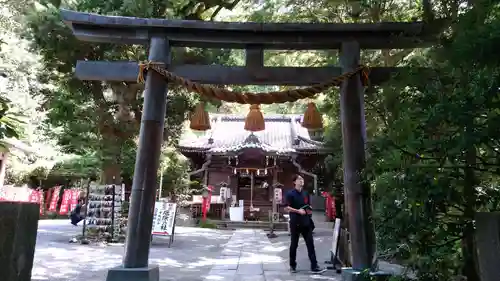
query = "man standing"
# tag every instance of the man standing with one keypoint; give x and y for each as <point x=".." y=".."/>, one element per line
<point x="300" y="224"/>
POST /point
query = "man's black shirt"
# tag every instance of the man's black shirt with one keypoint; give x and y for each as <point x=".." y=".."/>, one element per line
<point x="298" y="199"/>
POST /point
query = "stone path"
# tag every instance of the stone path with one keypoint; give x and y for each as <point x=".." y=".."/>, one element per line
<point x="250" y="256"/>
<point x="196" y="255"/>
<point x="192" y="255"/>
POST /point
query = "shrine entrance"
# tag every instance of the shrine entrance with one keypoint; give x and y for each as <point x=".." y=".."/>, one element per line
<point x="160" y="35"/>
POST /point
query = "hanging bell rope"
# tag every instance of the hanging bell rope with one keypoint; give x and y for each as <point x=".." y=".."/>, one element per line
<point x="312" y="119"/>
<point x="210" y="92"/>
<point x="255" y="119"/>
<point x="200" y="121"/>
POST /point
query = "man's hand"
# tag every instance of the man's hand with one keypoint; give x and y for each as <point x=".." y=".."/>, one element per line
<point x="301" y="211"/>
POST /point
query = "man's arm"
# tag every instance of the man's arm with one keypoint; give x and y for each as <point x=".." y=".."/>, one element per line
<point x="291" y="210"/>
<point x="288" y="202"/>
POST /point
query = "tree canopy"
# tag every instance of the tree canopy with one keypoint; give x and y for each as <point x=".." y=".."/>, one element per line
<point x="433" y="149"/>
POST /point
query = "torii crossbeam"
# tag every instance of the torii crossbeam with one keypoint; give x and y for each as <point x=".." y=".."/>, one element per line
<point x="162" y="34"/>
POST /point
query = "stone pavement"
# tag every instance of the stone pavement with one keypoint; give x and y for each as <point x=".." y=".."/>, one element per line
<point x="250" y="256"/>
<point x="196" y="255"/>
<point x="323" y="236"/>
<point x="192" y="255"/>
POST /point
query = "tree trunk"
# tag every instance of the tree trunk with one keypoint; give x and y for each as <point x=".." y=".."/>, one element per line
<point x="469" y="250"/>
<point x="111" y="154"/>
<point x="111" y="173"/>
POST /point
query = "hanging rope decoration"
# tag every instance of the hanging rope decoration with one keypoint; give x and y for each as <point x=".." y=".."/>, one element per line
<point x="255" y="119"/>
<point x="200" y="121"/>
<point x="246" y="97"/>
<point x="311" y="119"/>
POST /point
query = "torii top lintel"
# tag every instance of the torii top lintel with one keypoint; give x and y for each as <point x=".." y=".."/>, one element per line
<point x="295" y="36"/>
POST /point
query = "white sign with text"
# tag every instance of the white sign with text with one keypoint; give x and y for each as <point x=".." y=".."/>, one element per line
<point x="164" y="218"/>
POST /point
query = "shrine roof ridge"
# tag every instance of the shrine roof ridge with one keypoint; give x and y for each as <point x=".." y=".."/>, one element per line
<point x="283" y="135"/>
<point x="267" y="117"/>
<point x="205" y="34"/>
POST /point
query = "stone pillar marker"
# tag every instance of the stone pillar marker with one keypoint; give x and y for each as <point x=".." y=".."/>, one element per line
<point x="18" y="231"/>
<point x="488" y="245"/>
<point x="135" y="262"/>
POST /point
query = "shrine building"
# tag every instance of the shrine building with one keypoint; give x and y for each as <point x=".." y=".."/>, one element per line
<point x="252" y="163"/>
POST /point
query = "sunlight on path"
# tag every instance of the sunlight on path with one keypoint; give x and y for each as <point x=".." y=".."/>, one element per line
<point x="250" y="256"/>
<point x="192" y="255"/>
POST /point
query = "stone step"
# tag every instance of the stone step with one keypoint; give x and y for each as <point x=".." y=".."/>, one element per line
<point x="280" y="226"/>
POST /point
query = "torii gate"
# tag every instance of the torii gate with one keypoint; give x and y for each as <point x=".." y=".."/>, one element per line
<point x="162" y="34"/>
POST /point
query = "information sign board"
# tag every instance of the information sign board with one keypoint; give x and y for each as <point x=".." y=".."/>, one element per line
<point x="164" y="219"/>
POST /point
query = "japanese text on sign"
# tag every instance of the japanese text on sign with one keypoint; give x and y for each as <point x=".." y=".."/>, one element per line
<point x="75" y="193"/>
<point x="36" y="196"/>
<point x="66" y="202"/>
<point x="164" y="218"/>
<point x="54" y="199"/>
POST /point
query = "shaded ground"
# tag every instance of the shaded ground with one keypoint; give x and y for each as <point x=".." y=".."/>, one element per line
<point x="250" y="256"/>
<point x="323" y="243"/>
<point x="191" y="256"/>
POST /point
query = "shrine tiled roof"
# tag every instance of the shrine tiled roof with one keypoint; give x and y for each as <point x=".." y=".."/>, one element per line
<point x="283" y="135"/>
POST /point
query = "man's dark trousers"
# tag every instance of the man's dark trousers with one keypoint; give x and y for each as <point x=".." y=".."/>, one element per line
<point x="75" y="218"/>
<point x="306" y="232"/>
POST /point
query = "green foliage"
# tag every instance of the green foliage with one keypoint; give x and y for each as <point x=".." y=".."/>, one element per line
<point x="39" y="173"/>
<point x="175" y="178"/>
<point x="104" y="118"/>
<point x="15" y="178"/>
<point x="10" y="124"/>
<point x="433" y="143"/>
<point x="207" y="224"/>
<point x="433" y="150"/>
<point x="86" y="166"/>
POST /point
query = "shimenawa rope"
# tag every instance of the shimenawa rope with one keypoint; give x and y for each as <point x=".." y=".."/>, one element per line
<point x="246" y="97"/>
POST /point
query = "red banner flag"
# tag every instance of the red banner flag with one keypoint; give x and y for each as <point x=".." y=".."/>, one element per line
<point x="46" y="200"/>
<point x="36" y="196"/>
<point x="75" y="193"/>
<point x="42" y="202"/>
<point x="54" y="199"/>
<point x="64" y="209"/>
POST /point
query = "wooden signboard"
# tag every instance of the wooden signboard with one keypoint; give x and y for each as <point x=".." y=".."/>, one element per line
<point x="278" y="195"/>
<point x="335" y="260"/>
<point x="336" y="236"/>
<point x="164" y="220"/>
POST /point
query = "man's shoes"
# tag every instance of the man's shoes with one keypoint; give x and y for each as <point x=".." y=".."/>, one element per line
<point x="318" y="270"/>
<point x="293" y="269"/>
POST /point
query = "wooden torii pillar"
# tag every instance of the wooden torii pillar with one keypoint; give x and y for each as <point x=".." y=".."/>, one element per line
<point x="161" y="34"/>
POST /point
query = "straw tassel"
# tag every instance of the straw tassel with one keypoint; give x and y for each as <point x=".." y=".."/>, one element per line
<point x="312" y="118"/>
<point x="255" y="120"/>
<point x="200" y="121"/>
<point x="365" y="77"/>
